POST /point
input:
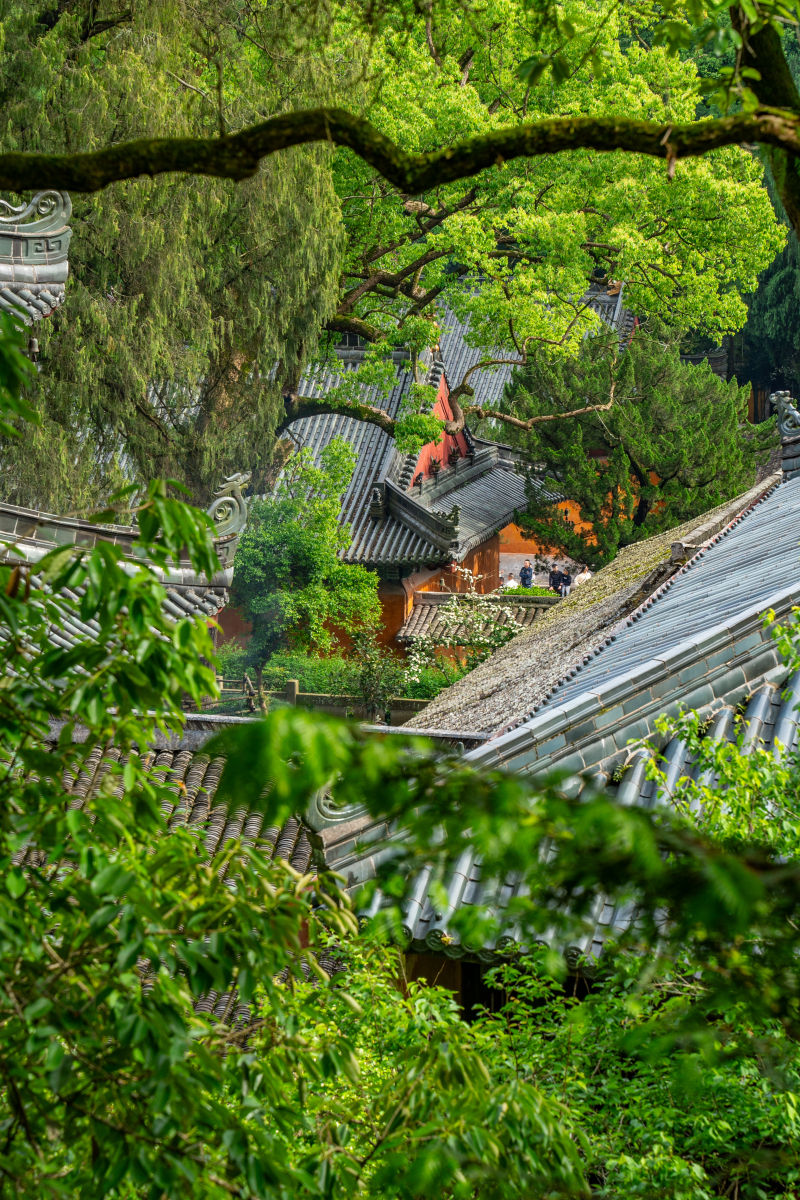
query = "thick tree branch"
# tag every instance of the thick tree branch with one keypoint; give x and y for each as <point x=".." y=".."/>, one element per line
<point x="392" y="279"/>
<point x="296" y="407"/>
<point x="237" y="156"/>
<point x="484" y="413"/>
<point x="431" y="44"/>
<point x="506" y="418"/>
<point x="362" y="329"/>
<point x="776" y="88"/>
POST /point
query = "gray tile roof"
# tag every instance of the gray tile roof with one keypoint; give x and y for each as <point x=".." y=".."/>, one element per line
<point x="28" y="535"/>
<point x="192" y="778"/>
<point x="486" y="488"/>
<point x="458" y="357"/>
<point x="699" y="643"/>
<point x="745" y="566"/>
<point x="390" y="542"/>
<point x="612" y="310"/>
<point x="505" y="690"/>
<point x="356" y="849"/>
<point x="486" y="498"/>
<point x="424" y="618"/>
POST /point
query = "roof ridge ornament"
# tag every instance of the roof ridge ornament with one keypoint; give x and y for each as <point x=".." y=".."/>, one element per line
<point x="788" y="416"/>
<point x="33" y="255"/>
<point x="377" y="504"/>
<point x="51" y="207"/>
<point x="228" y="509"/>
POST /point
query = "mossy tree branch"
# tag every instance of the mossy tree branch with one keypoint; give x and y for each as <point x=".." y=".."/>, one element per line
<point x="775" y="89"/>
<point x="238" y="155"/>
<point x="362" y="329"/>
<point x="296" y="407"/>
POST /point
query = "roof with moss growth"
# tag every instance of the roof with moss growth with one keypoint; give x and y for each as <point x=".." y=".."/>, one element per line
<point x="506" y="689"/>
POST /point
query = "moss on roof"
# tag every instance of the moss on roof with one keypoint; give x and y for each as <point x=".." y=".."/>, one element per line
<point x="504" y="690"/>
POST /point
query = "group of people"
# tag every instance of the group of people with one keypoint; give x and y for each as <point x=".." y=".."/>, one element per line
<point x="561" y="582"/>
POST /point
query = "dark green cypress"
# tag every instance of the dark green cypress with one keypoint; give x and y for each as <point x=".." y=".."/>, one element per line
<point x="675" y="443"/>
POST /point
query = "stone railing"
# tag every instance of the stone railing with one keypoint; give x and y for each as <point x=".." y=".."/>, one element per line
<point x="400" y="709"/>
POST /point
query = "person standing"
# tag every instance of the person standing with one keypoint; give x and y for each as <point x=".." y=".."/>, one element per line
<point x="566" y="583"/>
<point x="554" y="580"/>
<point x="526" y="575"/>
<point x="511" y="581"/>
<point x="582" y="576"/>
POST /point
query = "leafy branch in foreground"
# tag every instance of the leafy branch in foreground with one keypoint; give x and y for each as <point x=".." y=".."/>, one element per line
<point x="115" y="919"/>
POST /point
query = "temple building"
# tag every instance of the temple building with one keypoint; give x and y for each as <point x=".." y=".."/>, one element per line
<point x="674" y="622"/>
<point x="679" y="624"/>
<point x="413" y="517"/>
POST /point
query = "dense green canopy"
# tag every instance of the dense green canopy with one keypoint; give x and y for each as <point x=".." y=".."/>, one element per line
<point x="675" y="443"/>
<point x="195" y="303"/>
<point x="184" y="292"/>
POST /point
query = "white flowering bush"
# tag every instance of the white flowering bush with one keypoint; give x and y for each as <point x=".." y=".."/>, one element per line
<point x="469" y="623"/>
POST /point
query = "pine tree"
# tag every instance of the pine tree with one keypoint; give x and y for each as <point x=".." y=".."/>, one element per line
<point x="674" y="444"/>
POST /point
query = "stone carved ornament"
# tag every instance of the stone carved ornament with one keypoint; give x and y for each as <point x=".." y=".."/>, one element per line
<point x="228" y="509"/>
<point x="34" y="243"/>
<point x="788" y="416"/>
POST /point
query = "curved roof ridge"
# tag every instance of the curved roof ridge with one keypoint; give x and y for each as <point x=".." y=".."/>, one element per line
<point x="646" y="604"/>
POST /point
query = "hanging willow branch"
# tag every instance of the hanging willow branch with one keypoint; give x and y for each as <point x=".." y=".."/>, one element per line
<point x="237" y="156"/>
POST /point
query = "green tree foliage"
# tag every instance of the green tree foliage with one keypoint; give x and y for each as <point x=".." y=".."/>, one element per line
<point x="194" y="304"/>
<point x="113" y="923"/>
<point x="288" y="577"/>
<point x="771" y="337"/>
<point x="183" y="293"/>
<point x="511" y="251"/>
<point x="675" y="443"/>
<point x="692" y="1125"/>
<point x="562" y="218"/>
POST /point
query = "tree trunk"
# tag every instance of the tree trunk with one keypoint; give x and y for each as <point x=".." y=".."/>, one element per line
<point x="642" y="510"/>
<point x="763" y="52"/>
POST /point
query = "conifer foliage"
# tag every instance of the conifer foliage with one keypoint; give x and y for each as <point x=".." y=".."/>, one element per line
<point x="675" y="443"/>
<point x="183" y="292"/>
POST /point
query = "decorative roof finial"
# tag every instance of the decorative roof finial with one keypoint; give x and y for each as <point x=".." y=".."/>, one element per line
<point x="788" y="416"/>
<point x="33" y="255"/>
<point x="228" y="509"/>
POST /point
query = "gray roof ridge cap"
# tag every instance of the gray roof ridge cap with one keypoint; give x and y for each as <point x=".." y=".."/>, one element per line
<point x="453" y="482"/>
<point x="180" y="576"/>
<point x="423" y="524"/>
<point x="488" y="442"/>
<point x="758" y="494"/>
<point x="750" y="498"/>
<point x="709" y="530"/>
<point x="554" y="715"/>
<point x="39" y="516"/>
